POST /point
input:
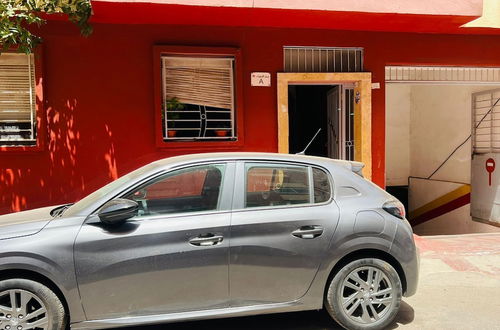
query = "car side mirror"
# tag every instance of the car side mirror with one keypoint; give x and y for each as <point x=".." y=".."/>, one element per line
<point x="117" y="211"/>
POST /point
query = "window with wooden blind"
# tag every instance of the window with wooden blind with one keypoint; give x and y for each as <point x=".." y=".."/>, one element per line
<point x="198" y="98"/>
<point x="17" y="100"/>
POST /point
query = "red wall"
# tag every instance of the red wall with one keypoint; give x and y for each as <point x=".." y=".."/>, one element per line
<point x="99" y="100"/>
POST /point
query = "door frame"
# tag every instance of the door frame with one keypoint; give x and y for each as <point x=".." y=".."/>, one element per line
<point x="362" y="108"/>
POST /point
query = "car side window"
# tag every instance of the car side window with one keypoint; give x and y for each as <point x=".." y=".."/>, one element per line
<point x="275" y="185"/>
<point x="322" y="187"/>
<point x="192" y="189"/>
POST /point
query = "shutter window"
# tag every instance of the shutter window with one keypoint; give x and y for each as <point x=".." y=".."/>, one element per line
<point x="198" y="98"/>
<point x="486" y="121"/>
<point x="17" y="100"/>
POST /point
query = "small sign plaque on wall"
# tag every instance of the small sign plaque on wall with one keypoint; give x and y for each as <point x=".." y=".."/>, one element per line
<point x="261" y="79"/>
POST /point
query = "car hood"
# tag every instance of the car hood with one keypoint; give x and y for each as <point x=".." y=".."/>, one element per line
<point x="24" y="223"/>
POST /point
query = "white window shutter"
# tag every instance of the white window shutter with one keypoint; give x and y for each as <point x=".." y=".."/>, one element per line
<point x="486" y="121"/>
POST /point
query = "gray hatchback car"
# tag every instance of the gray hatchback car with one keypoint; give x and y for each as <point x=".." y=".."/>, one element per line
<point x="209" y="236"/>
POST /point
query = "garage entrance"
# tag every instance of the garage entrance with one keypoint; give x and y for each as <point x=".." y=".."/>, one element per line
<point x="430" y="125"/>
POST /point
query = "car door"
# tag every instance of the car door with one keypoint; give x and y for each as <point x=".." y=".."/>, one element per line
<point x="283" y="219"/>
<point x="171" y="257"/>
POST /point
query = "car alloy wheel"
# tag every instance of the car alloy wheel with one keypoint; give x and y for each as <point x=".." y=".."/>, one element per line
<point x="29" y="305"/>
<point x="364" y="294"/>
<point x="21" y="310"/>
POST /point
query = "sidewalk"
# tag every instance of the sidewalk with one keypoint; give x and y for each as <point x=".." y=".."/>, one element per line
<point x="459" y="285"/>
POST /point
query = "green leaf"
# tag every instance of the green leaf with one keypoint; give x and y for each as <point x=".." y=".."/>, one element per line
<point x="16" y="16"/>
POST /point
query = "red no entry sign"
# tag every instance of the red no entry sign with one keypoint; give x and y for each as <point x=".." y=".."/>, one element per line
<point x="490" y="167"/>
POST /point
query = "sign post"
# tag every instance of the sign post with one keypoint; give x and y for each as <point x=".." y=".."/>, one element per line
<point x="490" y="167"/>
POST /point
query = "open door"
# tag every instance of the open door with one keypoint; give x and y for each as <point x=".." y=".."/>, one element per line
<point x="340" y="121"/>
<point x="333" y="104"/>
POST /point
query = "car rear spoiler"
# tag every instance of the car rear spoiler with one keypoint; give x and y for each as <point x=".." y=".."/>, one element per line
<point x="357" y="167"/>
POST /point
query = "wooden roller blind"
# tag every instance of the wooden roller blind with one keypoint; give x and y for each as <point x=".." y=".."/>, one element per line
<point x="200" y="81"/>
<point x="17" y="97"/>
<point x="16" y="87"/>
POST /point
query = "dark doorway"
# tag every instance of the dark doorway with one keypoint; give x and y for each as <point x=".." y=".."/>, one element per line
<point x="308" y="111"/>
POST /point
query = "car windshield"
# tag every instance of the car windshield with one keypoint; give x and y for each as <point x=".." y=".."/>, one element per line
<point x="96" y="195"/>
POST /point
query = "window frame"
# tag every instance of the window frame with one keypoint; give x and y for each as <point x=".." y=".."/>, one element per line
<point x="491" y="111"/>
<point x="330" y="182"/>
<point x="240" y="182"/>
<point x="192" y="51"/>
<point x="169" y="174"/>
<point x="41" y="122"/>
<point x="226" y="194"/>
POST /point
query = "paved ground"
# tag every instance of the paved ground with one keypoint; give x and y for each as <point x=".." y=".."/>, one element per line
<point x="459" y="288"/>
<point x="459" y="284"/>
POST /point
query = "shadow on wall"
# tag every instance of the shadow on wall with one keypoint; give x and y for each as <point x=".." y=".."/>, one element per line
<point x="62" y="172"/>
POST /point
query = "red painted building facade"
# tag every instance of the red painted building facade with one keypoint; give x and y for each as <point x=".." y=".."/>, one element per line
<point x="97" y="106"/>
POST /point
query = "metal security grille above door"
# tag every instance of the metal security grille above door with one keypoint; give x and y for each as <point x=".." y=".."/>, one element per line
<point x="322" y="59"/>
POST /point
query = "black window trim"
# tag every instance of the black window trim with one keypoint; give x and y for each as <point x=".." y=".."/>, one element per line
<point x="166" y="173"/>
<point x="154" y="176"/>
<point x="330" y="182"/>
<point x="242" y="193"/>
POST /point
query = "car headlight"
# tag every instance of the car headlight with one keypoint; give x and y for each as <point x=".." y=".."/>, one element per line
<point x="394" y="208"/>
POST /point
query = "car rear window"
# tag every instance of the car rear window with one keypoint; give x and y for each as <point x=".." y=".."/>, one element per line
<point x="276" y="185"/>
<point x="322" y="186"/>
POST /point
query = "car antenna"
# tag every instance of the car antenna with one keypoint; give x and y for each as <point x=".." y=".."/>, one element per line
<point x="303" y="152"/>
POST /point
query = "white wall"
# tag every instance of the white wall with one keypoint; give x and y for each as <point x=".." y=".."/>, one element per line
<point x="439" y="119"/>
<point x="397" y="134"/>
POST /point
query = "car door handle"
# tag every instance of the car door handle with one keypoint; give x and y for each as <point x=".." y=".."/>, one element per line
<point x="308" y="232"/>
<point x="206" y="240"/>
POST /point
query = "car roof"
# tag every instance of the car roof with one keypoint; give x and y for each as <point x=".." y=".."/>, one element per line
<point x="268" y="156"/>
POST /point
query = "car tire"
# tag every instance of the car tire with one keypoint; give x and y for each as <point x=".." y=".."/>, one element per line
<point x="31" y="298"/>
<point x="358" y="303"/>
